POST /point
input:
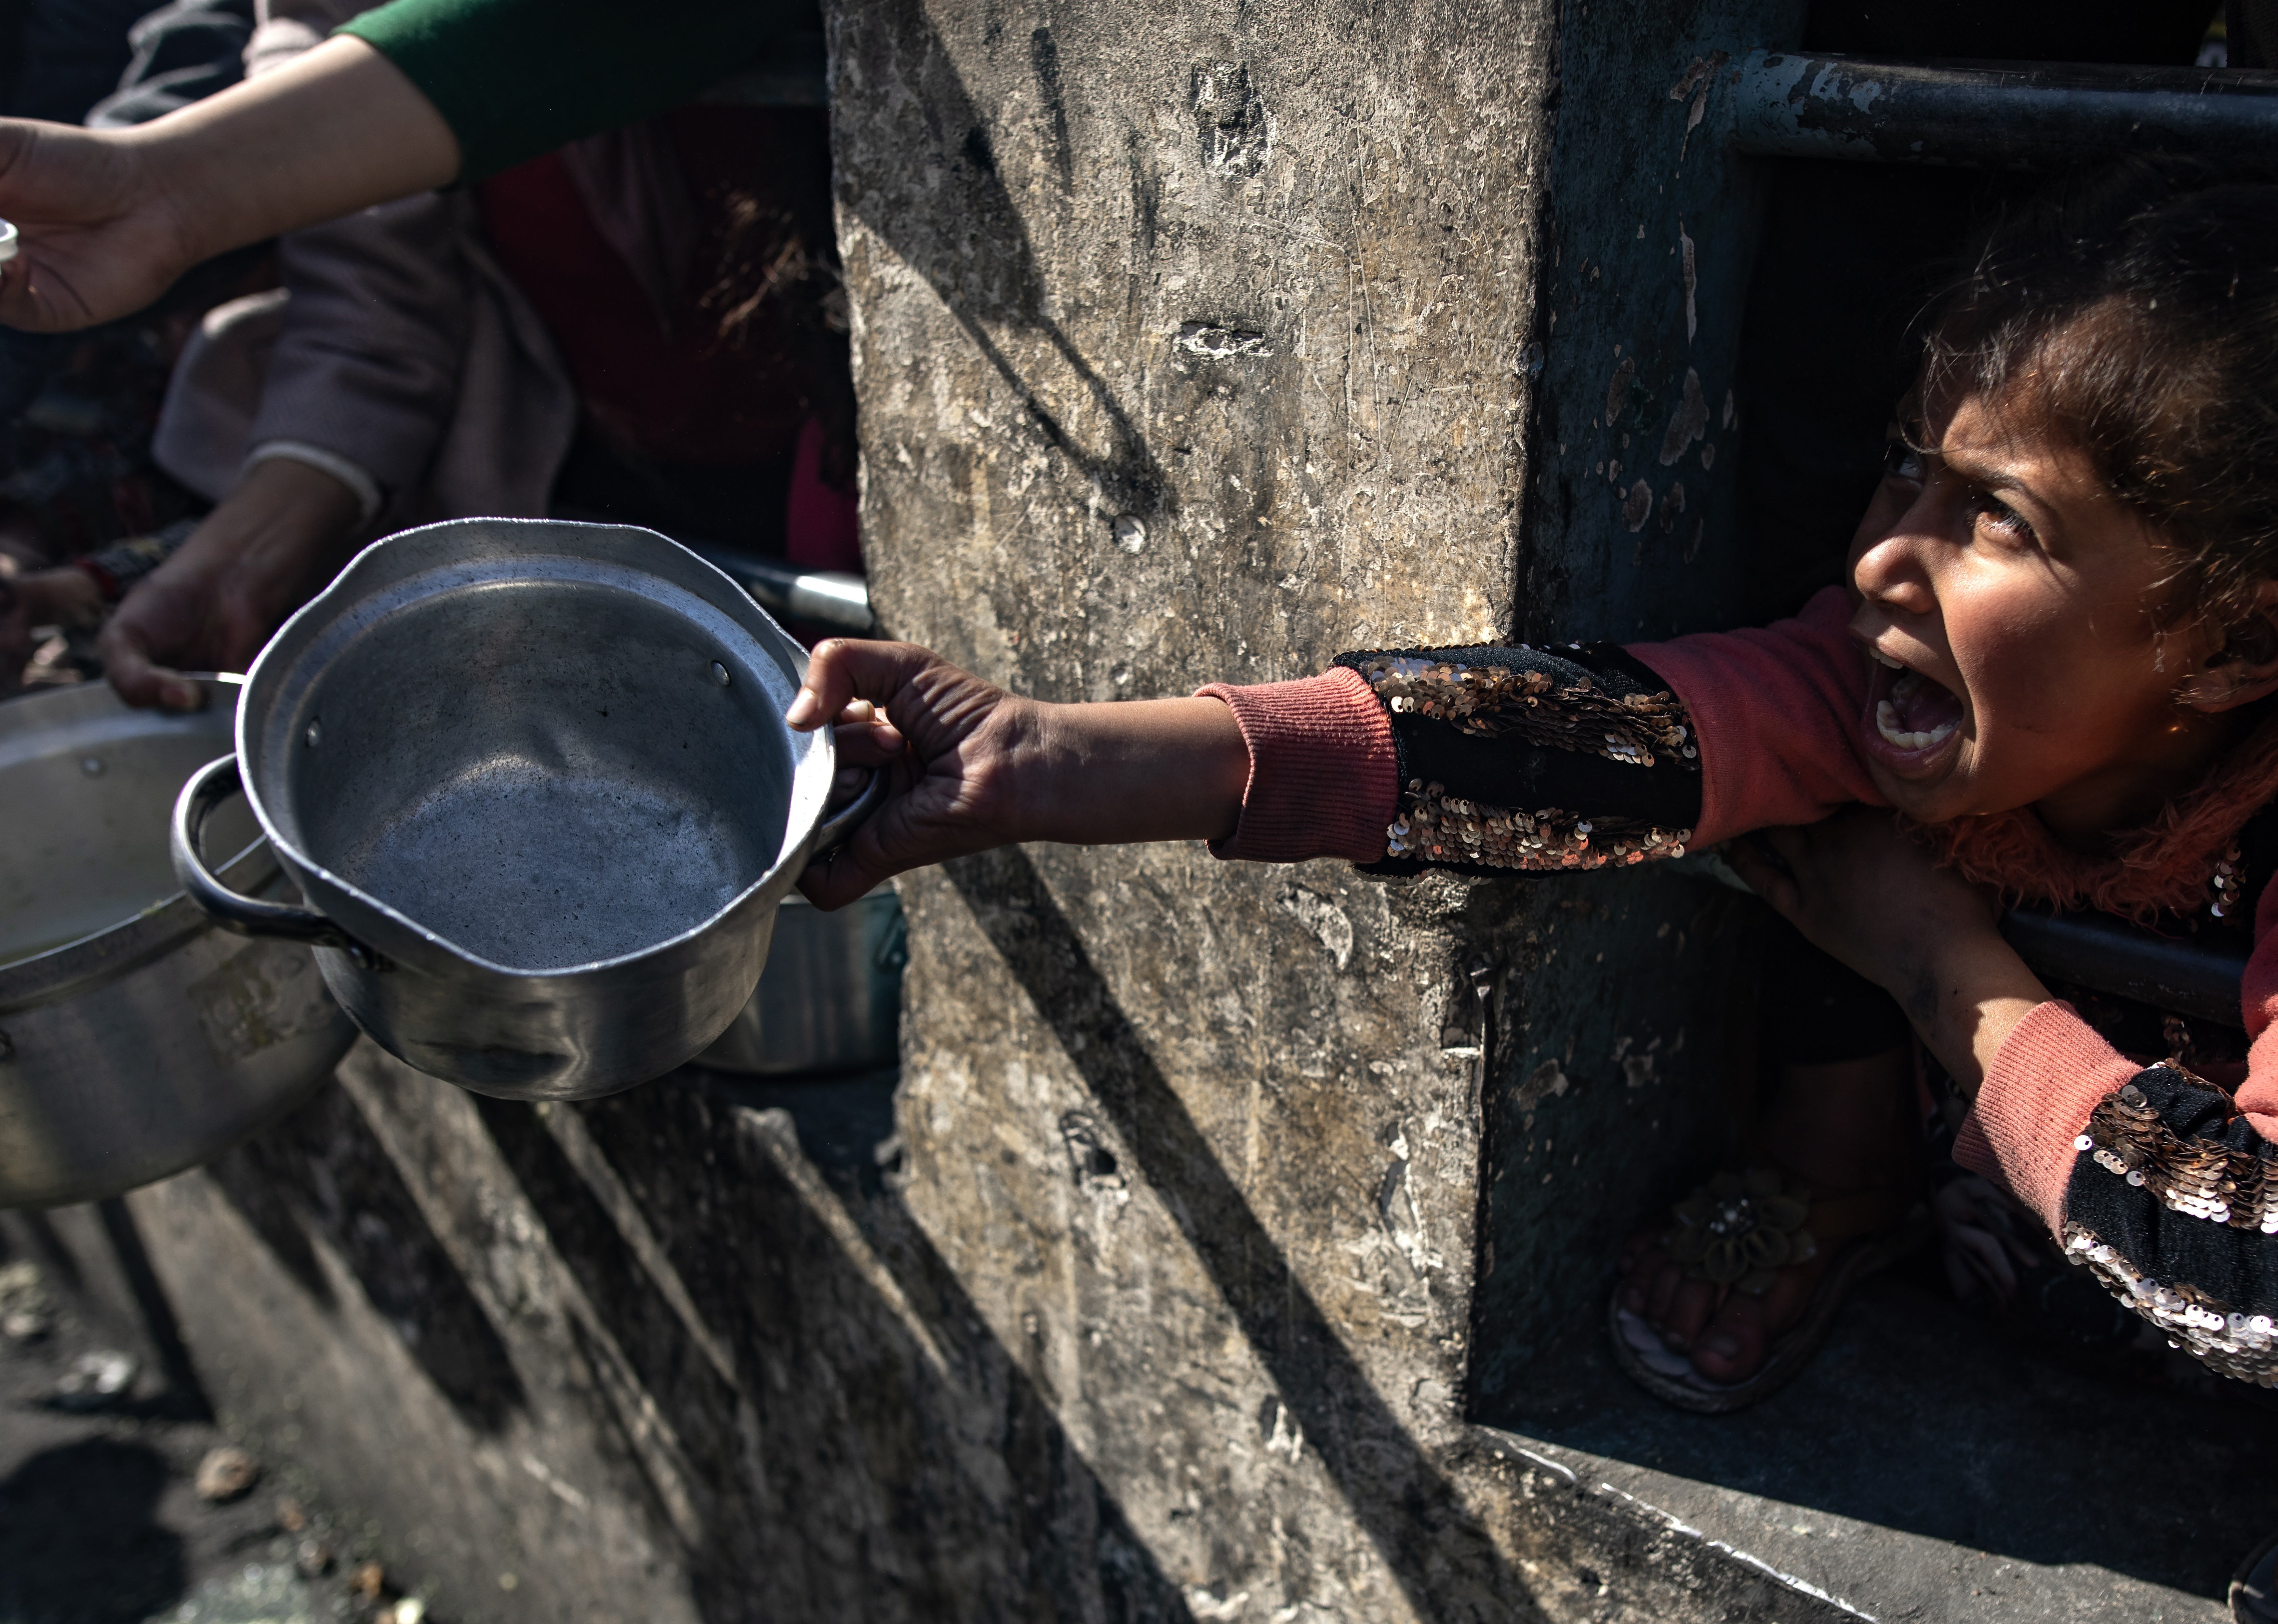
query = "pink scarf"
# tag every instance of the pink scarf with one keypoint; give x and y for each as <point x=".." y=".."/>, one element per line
<point x="2163" y="867"/>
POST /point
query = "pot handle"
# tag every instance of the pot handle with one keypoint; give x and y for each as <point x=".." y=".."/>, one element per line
<point x="208" y="787"/>
<point x="853" y="816"/>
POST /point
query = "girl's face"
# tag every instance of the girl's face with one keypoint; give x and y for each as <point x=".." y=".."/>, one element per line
<point x="2006" y="599"/>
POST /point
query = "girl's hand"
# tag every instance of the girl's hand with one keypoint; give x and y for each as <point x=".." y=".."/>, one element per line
<point x="974" y="767"/>
<point x="1988" y="1238"/>
<point x="1860" y="890"/>
<point x="952" y="751"/>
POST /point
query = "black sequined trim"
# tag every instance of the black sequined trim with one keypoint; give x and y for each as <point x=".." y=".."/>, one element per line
<point x="2227" y="1340"/>
<point x="1531" y="759"/>
<point x="1532" y="695"/>
<point x="1433" y="826"/>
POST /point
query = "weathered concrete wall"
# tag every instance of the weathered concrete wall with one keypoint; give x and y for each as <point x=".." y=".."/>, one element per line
<point x="1193" y="343"/>
<point x="1203" y="343"/>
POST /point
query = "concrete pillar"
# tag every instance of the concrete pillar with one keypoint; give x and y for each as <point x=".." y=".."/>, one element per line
<point x="1200" y="343"/>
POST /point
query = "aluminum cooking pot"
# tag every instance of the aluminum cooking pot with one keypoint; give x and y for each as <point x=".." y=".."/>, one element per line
<point x="534" y="781"/>
<point x="136" y="1038"/>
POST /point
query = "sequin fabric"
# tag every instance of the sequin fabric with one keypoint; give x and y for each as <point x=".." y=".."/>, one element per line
<point x="2225" y="893"/>
<point x="1496" y="701"/>
<point x="2200" y="1178"/>
<point x="1433" y="826"/>
<point x="2244" y="1346"/>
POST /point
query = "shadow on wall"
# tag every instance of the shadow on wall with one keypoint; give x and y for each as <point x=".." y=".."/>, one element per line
<point x="79" y="1537"/>
<point x="838" y="1457"/>
<point x="971" y="244"/>
<point x="1438" y="1552"/>
<point x="818" y="1441"/>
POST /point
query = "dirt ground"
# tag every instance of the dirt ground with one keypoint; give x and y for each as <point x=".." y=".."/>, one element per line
<point x="101" y="1517"/>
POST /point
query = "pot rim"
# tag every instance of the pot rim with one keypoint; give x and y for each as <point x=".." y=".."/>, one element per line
<point x="117" y="951"/>
<point x="429" y="950"/>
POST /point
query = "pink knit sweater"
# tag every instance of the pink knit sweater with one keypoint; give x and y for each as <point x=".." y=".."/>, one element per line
<point x="1776" y="711"/>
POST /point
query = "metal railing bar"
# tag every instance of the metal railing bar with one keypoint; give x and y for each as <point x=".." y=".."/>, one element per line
<point x="2108" y="955"/>
<point x="2006" y="115"/>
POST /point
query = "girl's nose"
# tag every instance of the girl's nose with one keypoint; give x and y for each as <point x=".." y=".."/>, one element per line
<point x="1889" y="571"/>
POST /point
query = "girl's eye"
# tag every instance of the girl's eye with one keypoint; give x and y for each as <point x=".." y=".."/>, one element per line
<point x="1994" y="514"/>
<point x="1902" y="460"/>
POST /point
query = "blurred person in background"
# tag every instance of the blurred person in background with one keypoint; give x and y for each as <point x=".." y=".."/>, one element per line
<point x="643" y="326"/>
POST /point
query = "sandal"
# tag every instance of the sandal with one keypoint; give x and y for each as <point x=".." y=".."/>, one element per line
<point x="2254" y="1587"/>
<point x="1738" y="1231"/>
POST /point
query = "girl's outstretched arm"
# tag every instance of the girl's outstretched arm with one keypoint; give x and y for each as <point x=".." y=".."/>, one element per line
<point x="975" y="767"/>
<point x="1491" y="759"/>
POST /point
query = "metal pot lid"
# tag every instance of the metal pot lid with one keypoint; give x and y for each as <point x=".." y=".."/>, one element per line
<point x="86" y="893"/>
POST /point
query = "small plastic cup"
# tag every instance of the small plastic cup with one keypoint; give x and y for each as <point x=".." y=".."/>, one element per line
<point x="7" y="241"/>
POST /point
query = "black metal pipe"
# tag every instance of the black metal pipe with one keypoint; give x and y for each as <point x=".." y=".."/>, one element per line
<point x="1989" y="115"/>
<point x="2107" y="956"/>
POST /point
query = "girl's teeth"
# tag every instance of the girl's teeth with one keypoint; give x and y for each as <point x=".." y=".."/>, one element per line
<point x="1887" y="660"/>
<point x="1886" y="722"/>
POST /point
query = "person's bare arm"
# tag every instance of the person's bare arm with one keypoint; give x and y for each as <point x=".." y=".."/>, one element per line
<point x="276" y="539"/>
<point x="109" y="218"/>
<point x="974" y="767"/>
<point x="1860" y="890"/>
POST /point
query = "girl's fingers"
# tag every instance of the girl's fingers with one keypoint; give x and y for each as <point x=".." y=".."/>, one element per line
<point x="1987" y="1257"/>
<point x="1792" y="847"/>
<point x="1765" y="880"/>
<point x="869" y="744"/>
<point x="842" y="671"/>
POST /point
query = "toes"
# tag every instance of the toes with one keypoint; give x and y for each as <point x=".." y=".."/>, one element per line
<point x="1691" y="1307"/>
<point x="1641" y="1259"/>
<point x="1790" y="1294"/>
<point x="1731" y="1347"/>
<point x="1660" y="1289"/>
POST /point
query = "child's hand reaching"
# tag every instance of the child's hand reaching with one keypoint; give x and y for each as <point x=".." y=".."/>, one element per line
<point x="973" y="767"/>
<point x="1860" y="890"/>
<point x="1988" y="1238"/>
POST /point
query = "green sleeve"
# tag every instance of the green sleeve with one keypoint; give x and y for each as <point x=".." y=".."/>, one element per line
<point x="517" y="78"/>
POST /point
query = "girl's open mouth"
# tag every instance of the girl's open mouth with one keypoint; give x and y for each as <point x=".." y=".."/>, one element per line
<point x="1912" y="717"/>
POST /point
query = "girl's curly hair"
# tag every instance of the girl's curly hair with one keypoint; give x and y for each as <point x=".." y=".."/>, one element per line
<point x="2138" y="304"/>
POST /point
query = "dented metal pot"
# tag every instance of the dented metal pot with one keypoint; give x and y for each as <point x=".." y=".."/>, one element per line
<point x="534" y="780"/>
<point x="136" y="1037"/>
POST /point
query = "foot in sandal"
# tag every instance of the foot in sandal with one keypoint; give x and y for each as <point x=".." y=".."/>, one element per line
<point x="1726" y="1301"/>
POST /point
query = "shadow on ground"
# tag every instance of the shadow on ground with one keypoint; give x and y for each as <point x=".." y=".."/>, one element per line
<point x="80" y="1539"/>
<point x="1918" y="1418"/>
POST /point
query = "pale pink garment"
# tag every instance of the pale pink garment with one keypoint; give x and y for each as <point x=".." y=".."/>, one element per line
<point x="399" y="346"/>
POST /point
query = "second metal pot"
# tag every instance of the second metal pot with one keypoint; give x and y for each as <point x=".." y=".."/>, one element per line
<point x="136" y="1037"/>
<point x="831" y="1000"/>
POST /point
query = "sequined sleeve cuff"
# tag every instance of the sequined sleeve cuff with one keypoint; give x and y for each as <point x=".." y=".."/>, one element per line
<point x="1537" y="760"/>
<point x="2153" y="1180"/>
<point x="1321" y="773"/>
